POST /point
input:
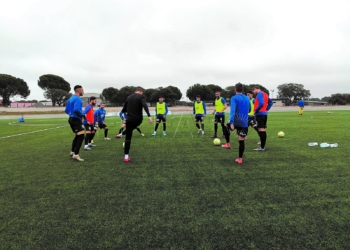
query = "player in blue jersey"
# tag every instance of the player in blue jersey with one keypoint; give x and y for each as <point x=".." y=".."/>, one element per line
<point x="262" y="104"/>
<point x="75" y="112"/>
<point x="100" y="115"/>
<point x="89" y="123"/>
<point x="123" y="116"/>
<point x="220" y="106"/>
<point x="200" y="111"/>
<point x="239" y="109"/>
<point x="301" y="106"/>
<point x="161" y="113"/>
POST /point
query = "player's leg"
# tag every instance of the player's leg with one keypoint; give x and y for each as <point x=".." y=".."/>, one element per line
<point x="202" y="124"/>
<point x="242" y="133"/>
<point x="164" y="125"/>
<point x="156" y="127"/>
<point x="227" y="130"/>
<point x="215" y="127"/>
<point x="92" y="135"/>
<point x="106" y="133"/>
<point x="87" y="136"/>
<point x="139" y="130"/>
<point x="130" y="126"/>
<point x="223" y="126"/>
<point x="79" y="131"/>
<point x="262" y="121"/>
<point x="74" y="142"/>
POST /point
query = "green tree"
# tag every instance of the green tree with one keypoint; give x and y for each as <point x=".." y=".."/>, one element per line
<point x="59" y="95"/>
<point x="197" y="89"/>
<point x="338" y="99"/>
<point x="171" y="94"/>
<point x="148" y="93"/>
<point x="11" y="86"/>
<point x="110" y="95"/>
<point x="123" y="93"/>
<point x="52" y="85"/>
<point x="292" y="92"/>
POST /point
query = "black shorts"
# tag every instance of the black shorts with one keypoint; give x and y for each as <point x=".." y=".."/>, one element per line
<point x="89" y="127"/>
<point x="220" y="119"/>
<point x="102" y="125"/>
<point x="262" y="121"/>
<point x="199" y="119"/>
<point x="132" y="124"/>
<point x="76" y="124"/>
<point x="242" y="132"/>
<point x="252" y="121"/>
<point x="160" y="118"/>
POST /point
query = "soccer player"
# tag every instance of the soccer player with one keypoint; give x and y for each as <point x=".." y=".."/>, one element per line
<point x="220" y="106"/>
<point x="75" y="112"/>
<point x="133" y="106"/>
<point x="239" y="109"/>
<point x="200" y="111"/>
<point x="89" y="123"/>
<point x="161" y="113"/>
<point x="262" y="105"/>
<point x="301" y="106"/>
<point x="251" y="118"/>
<point x="100" y="115"/>
<point x="123" y="116"/>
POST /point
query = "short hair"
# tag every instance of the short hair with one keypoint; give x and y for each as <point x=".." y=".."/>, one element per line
<point x="218" y="91"/>
<point x="256" y="87"/>
<point x="198" y="96"/>
<point x="92" y="98"/>
<point x="77" y="87"/>
<point x="250" y="92"/>
<point x="239" y="87"/>
<point x="102" y="103"/>
<point x="161" y="96"/>
<point x="138" y="88"/>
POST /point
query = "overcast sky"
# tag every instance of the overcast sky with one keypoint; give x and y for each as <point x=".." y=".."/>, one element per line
<point x="101" y="44"/>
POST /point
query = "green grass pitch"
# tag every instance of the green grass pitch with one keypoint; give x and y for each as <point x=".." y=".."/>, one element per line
<point x="179" y="191"/>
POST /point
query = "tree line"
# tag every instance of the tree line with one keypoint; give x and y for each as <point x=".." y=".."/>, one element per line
<point x="57" y="89"/>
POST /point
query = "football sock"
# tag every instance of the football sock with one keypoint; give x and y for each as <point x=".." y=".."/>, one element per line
<point x="127" y="147"/>
<point x="74" y="143"/>
<point x="215" y="128"/>
<point x="241" y="149"/>
<point x="164" y="126"/>
<point x="262" y="138"/>
<point x="197" y="125"/>
<point x="87" y="138"/>
<point x="80" y="139"/>
<point x="139" y="130"/>
<point x="202" y="126"/>
<point x="126" y="156"/>
<point x="106" y="132"/>
<point x="91" y="137"/>
<point x="120" y="130"/>
<point x="155" y="129"/>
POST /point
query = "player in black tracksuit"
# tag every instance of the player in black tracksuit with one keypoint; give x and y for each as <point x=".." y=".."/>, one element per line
<point x="133" y="106"/>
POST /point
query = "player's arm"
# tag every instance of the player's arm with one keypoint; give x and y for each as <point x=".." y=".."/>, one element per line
<point x="96" y="116"/>
<point x="260" y="98"/>
<point x="166" y="109"/>
<point x="121" y="115"/>
<point x="269" y="105"/>
<point x="232" y="112"/>
<point x="67" y="108"/>
<point x="225" y="104"/>
<point x="194" y="109"/>
<point x="78" y="108"/>
<point x="205" y="108"/>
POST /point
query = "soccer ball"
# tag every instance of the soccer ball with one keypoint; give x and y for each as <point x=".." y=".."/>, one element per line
<point x="281" y="134"/>
<point x="217" y="142"/>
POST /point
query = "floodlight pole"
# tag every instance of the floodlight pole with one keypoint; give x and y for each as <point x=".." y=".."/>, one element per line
<point x="272" y="90"/>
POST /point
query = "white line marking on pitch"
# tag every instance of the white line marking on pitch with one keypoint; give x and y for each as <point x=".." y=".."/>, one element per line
<point x="31" y="132"/>
<point x="178" y="124"/>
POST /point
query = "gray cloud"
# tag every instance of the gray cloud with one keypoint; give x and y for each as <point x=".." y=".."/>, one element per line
<point x="160" y="43"/>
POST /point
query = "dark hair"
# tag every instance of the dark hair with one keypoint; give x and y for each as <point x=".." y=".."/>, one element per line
<point x="92" y="98"/>
<point x="161" y="96"/>
<point x="239" y="87"/>
<point x="256" y="87"/>
<point x="198" y="96"/>
<point x="102" y="103"/>
<point x="250" y="92"/>
<point x="138" y="88"/>
<point x="218" y="91"/>
<point x="77" y="87"/>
